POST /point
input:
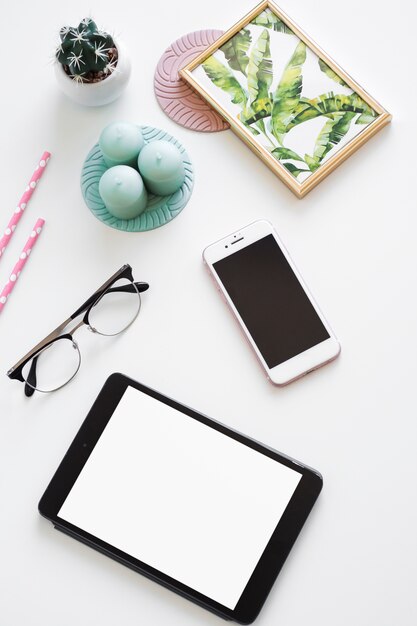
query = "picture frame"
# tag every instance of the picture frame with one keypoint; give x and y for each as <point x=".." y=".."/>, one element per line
<point x="329" y="114"/>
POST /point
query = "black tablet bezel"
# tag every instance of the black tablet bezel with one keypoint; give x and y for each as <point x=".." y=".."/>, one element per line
<point x="277" y="549"/>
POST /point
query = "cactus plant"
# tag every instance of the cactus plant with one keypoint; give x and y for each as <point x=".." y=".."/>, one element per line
<point x="86" y="53"/>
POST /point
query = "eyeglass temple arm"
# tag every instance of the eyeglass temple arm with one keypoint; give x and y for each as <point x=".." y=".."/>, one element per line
<point x="126" y="288"/>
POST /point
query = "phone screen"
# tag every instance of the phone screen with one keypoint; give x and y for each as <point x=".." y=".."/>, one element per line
<point x="270" y="300"/>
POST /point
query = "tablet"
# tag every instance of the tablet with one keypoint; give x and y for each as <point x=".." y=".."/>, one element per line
<point x="181" y="498"/>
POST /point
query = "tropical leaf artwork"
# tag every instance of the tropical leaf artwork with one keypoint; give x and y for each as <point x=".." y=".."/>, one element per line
<point x="270" y="86"/>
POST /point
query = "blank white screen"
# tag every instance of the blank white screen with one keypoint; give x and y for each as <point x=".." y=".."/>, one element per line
<point x="180" y="496"/>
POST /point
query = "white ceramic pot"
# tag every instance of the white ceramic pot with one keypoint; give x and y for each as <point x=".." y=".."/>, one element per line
<point x="97" y="94"/>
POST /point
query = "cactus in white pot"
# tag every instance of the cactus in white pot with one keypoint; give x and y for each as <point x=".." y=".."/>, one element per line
<point x="91" y="67"/>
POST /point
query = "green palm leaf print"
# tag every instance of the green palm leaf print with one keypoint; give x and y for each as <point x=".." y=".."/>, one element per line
<point x="331" y="134"/>
<point x="235" y="51"/>
<point x="287" y="94"/>
<point x="222" y="77"/>
<point x="260" y="74"/>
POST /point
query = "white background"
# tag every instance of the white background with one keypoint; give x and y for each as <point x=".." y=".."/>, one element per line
<point x="353" y="239"/>
<point x="180" y="496"/>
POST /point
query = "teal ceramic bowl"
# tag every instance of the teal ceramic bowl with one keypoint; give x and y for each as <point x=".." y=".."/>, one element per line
<point x="160" y="209"/>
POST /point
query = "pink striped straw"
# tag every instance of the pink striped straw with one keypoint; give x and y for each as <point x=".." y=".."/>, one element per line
<point x="23" y="202"/>
<point x="8" y="288"/>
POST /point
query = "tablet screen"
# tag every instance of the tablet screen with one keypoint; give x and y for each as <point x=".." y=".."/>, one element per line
<point x="180" y="496"/>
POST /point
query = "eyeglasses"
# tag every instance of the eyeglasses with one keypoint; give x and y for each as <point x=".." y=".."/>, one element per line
<point x="56" y="359"/>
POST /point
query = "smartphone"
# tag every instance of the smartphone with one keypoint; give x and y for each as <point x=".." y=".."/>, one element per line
<point x="270" y="300"/>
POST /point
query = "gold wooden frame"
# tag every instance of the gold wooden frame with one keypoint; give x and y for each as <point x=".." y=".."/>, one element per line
<point x="300" y="189"/>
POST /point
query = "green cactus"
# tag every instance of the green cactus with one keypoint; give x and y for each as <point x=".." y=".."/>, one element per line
<point x="85" y="50"/>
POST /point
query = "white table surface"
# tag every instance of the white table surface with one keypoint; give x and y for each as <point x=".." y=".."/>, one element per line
<point x="354" y="240"/>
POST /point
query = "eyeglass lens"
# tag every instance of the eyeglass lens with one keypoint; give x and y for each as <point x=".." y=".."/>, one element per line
<point x="116" y="309"/>
<point x="54" y="366"/>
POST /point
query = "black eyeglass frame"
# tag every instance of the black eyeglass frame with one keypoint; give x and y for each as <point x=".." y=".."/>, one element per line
<point x="16" y="372"/>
